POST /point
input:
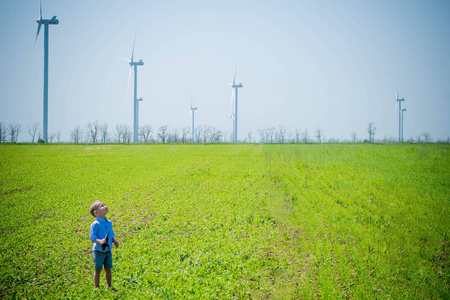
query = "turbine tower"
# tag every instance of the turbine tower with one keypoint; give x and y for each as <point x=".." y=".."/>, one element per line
<point x="45" y="22"/>
<point x="234" y="115"/>
<point x="403" y="110"/>
<point x="193" y="109"/>
<point x="400" y="121"/>
<point x="135" y="98"/>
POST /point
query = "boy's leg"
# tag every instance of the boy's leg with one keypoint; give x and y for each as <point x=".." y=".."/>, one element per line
<point x="108" y="277"/>
<point x="97" y="278"/>
<point x="108" y="266"/>
<point x="99" y="259"/>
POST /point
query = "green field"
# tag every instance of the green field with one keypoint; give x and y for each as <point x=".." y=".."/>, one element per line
<point x="327" y="221"/>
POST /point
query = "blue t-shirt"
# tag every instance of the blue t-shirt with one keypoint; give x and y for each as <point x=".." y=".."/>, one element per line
<point x="99" y="228"/>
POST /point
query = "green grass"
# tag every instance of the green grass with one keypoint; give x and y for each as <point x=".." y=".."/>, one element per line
<point x="228" y="221"/>
<point x="365" y="221"/>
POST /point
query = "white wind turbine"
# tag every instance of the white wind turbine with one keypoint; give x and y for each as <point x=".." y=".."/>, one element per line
<point x="234" y="115"/>
<point x="400" y="117"/>
<point x="45" y="22"/>
<point x="135" y="98"/>
<point x="193" y="109"/>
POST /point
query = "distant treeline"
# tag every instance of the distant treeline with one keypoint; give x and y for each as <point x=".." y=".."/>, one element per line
<point x="96" y="133"/>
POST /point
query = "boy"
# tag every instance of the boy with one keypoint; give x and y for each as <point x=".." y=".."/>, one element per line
<point x="101" y="235"/>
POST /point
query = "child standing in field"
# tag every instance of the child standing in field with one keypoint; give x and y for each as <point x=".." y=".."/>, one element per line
<point x="102" y="237"/>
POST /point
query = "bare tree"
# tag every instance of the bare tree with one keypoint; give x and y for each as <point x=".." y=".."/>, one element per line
<point x="58" y="136"/>
<point x="145" y="132"/>
<point x="281" y="133"/>
<point x="51" y="137"/>
<point x="2" y="132"/>
<point x="13" y="130"/>
<point x="217" y="136"/>
<point x="319" y="135"/>
<point x="305" y="136"/>
<point x="427" y="137"/>
<point x="162" y="133"/>
<point x="120" y="130"/>
<point x="371" y="129"/>
<point x="289" y="136"/>
<point x="208" y="134"/>
<point x="104" y="134"/>
<point x="211" y="134"/>
<point x="354" y="136"/>
<point x="76" y="135"/>
<point x="298" y="135"/>
<point x="198" y="134"/>
<point x="249" y="136"/>
<point x="126" y="133"/>
<point x="172" y="136"/>
<point x="271" y="134"/>
<point x="185" y="134"/>
<point x="18" y="130"/>
<point x="262" y="135"/>
<point x="33" y="130"/>
<point x="93" y="129"/>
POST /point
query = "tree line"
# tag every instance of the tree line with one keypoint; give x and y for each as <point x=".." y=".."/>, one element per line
<point x="95" y="132"/>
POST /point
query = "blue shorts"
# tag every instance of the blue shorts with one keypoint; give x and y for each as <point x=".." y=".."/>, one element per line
<point x="102" y="259"/>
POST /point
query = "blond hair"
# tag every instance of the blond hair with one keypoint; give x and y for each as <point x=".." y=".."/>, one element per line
<point x="94" y="206"/>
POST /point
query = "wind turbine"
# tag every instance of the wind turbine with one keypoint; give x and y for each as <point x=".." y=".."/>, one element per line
<point x="135" y="99"/>
<point x="403" y="110"/>
<point x="45" y="22"/>
<point x="235" y="114"/>
<point x="193" y="109"/>
<point x="400" y="118"/>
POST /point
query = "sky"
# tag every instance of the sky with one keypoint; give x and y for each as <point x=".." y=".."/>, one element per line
<point x="305" y="64"/>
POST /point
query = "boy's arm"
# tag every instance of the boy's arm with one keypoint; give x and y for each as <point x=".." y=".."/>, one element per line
<point x="100" y="241"/>
<point x="93" y="235"/>
<point x="116" y="243"/>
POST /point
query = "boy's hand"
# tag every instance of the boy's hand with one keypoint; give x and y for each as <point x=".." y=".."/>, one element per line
<point x="116" y="243"/>
<point x="103" y="241"/>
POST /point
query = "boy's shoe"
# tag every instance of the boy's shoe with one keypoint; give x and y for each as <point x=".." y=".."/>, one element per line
<point x="111" y="289"/>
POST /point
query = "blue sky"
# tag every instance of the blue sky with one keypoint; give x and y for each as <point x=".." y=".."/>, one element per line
<point x="333" y="65"/>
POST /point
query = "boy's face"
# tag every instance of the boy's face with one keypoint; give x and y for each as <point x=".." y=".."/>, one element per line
<point x="101" y="211"/>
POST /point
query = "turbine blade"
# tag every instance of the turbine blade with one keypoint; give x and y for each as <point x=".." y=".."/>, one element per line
<point x="128" y="84"/>
<point x="129" y="61"/>
<point x="231" y="103"/>
<point x="395" y="109"/>
<point x="235" y="70"/>
<point x="39" y="29"/>
<point x="134" y="42"/>
<point x="40" y="19"/>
